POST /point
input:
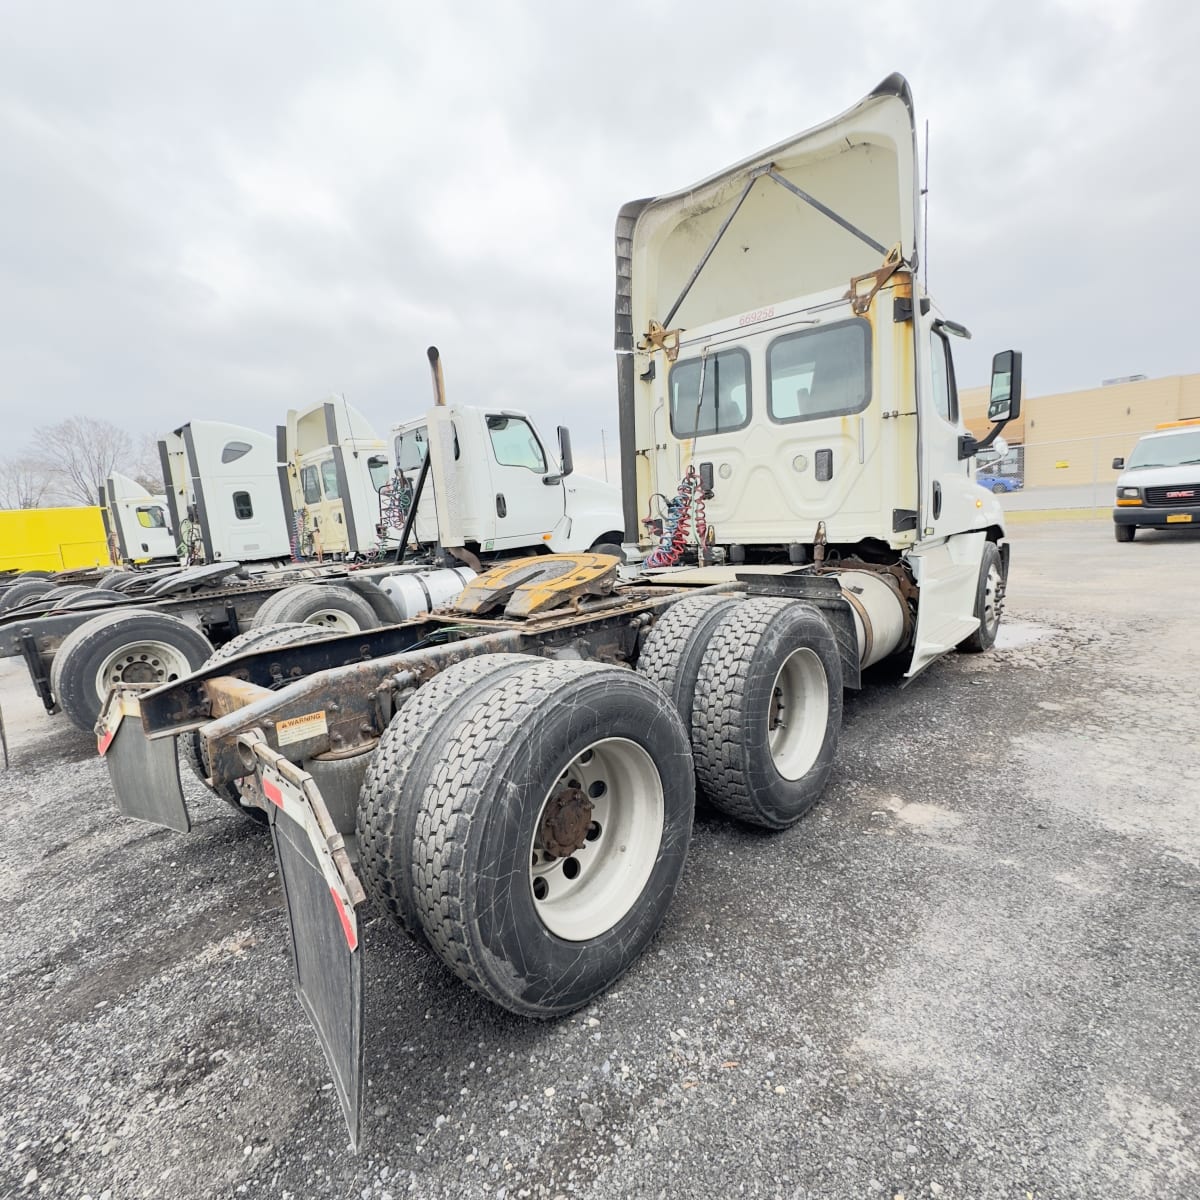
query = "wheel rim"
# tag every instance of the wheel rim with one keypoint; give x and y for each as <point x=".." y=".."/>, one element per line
<point x="142" y="662"/>
<point x="333" y="618"/>
<point x="798" y="713"/>
<point x="991" y="599"/>
<point x="596" y="839"/>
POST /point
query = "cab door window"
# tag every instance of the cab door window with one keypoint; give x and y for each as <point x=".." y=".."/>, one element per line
<point x="515" y="444"/>
<point x="310" y="483"/>
<point x="411" y="448"/>
<point x="329" y="479"/>
<point x="941" y="370"/>
<point x="151" y="517"/>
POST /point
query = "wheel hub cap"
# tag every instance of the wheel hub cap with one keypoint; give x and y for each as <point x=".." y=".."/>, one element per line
<point x="140" y="672"/>
<point x="565" y="822"/>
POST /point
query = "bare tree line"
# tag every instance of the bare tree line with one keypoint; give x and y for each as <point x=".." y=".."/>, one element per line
<point x="68" y="462"/>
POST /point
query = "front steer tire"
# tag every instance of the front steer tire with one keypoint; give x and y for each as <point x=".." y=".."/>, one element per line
<point x="989" y="602"/>
<point x="511" y="782"/>
<point x="1124" y="533"/>
<point x="768" y="712"/>
<point x="121" y="647"/>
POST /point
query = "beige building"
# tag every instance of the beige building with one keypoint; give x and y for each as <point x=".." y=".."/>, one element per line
<point x="1072" y="437"/>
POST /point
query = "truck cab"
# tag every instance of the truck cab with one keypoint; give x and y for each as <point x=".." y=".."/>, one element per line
<point x="332" y="465"/>
<point x="779" y="359"/>
<point x="136" y="523"/>
<point x="223" y="493"/>
<point x="498" y="486"/>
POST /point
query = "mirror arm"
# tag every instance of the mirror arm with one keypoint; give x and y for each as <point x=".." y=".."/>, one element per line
<point x="968" y="446"/>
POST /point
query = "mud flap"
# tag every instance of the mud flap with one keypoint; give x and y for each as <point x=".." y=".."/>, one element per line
<point x="144" y="773"/>
<point x="322" y="893"/>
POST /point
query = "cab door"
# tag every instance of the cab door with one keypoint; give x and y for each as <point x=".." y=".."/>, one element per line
<point x="526" y="508"/>
<point x="945" y="561"/>
<point x="335" y="535"/>
<point x="947" y="496"/>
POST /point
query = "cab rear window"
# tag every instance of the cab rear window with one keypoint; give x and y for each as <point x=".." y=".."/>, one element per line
<point x="820" y="372"/>
<point x="710" y="394"/>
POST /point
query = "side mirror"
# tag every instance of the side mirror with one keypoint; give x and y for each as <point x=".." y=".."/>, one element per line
<point x="1004" y="396"/>
<point x="1004" y="401"/>
<point x="564" y="451"/>
<point x="1118" y="464"/>
<point x="376" y="461"/>
<point x="564" y="457"/>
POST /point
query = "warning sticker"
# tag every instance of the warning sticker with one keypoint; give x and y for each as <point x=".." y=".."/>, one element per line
<point x="297" y="729"/>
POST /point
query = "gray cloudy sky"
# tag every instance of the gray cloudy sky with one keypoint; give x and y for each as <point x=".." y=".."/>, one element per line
<point x="226" y="210"/>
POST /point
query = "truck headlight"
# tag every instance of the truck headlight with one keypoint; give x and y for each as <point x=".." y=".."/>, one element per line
<point x="1128" y="493"/>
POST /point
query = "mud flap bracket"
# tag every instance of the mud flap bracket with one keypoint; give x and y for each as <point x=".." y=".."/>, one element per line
<point x="144" y="771"/>
<point x="322" y="894"/>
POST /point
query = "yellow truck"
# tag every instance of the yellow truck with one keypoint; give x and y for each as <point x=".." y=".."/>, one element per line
<point x="52" y="539"/>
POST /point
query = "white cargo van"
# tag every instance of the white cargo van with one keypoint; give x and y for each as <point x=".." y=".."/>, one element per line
<point x="1159" y="485"/>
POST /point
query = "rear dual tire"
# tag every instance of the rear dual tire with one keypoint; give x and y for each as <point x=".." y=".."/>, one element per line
<point x="21" y="591"/>
<point x="768" y="712"/>
<point x="549" y="832"/>
<point x="121" y="647"/>
<point x="758" y="684"/>
<point x="398" y="777"/>
<point x="330" y="606"/>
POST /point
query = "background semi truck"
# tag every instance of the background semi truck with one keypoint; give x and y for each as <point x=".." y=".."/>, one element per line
<point x="493" y="775"/>
<point x="498" y="487"/>
<point x="137" y="523"/>
<point x="224" y="494"/>
<point x="78" y="641"/>
<point x="332" y="466"/>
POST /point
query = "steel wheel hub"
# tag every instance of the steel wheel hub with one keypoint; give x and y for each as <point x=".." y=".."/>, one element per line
<point x="596" y="839"/>
<point x="142" y="662"/>
<point x="565" y="822"/>
<point x="333" y="618"/>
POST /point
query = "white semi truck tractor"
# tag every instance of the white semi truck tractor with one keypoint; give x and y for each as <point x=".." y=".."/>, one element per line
<point x="512" y="776"/>
<point x="136" y="522"/>
<point x="332" y="465"/>
<point x="497" y="486"/>
<point x="224" y="494"/>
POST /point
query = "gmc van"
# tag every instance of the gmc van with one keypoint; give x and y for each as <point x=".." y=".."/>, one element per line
<point x="1159" y="485"/>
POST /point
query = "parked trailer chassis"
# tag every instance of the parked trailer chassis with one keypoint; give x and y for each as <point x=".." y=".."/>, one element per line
<point x="212" y="600"/>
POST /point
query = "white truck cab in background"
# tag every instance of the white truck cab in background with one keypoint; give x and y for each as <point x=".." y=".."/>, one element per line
<point x="498" y="487"/>
<point x="223" y="493"/>
<point x="331" y="466"/>
<point x="136" y="522"/>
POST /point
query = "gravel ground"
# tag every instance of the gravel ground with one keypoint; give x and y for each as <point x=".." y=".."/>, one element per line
<point x="970" y="973"/>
